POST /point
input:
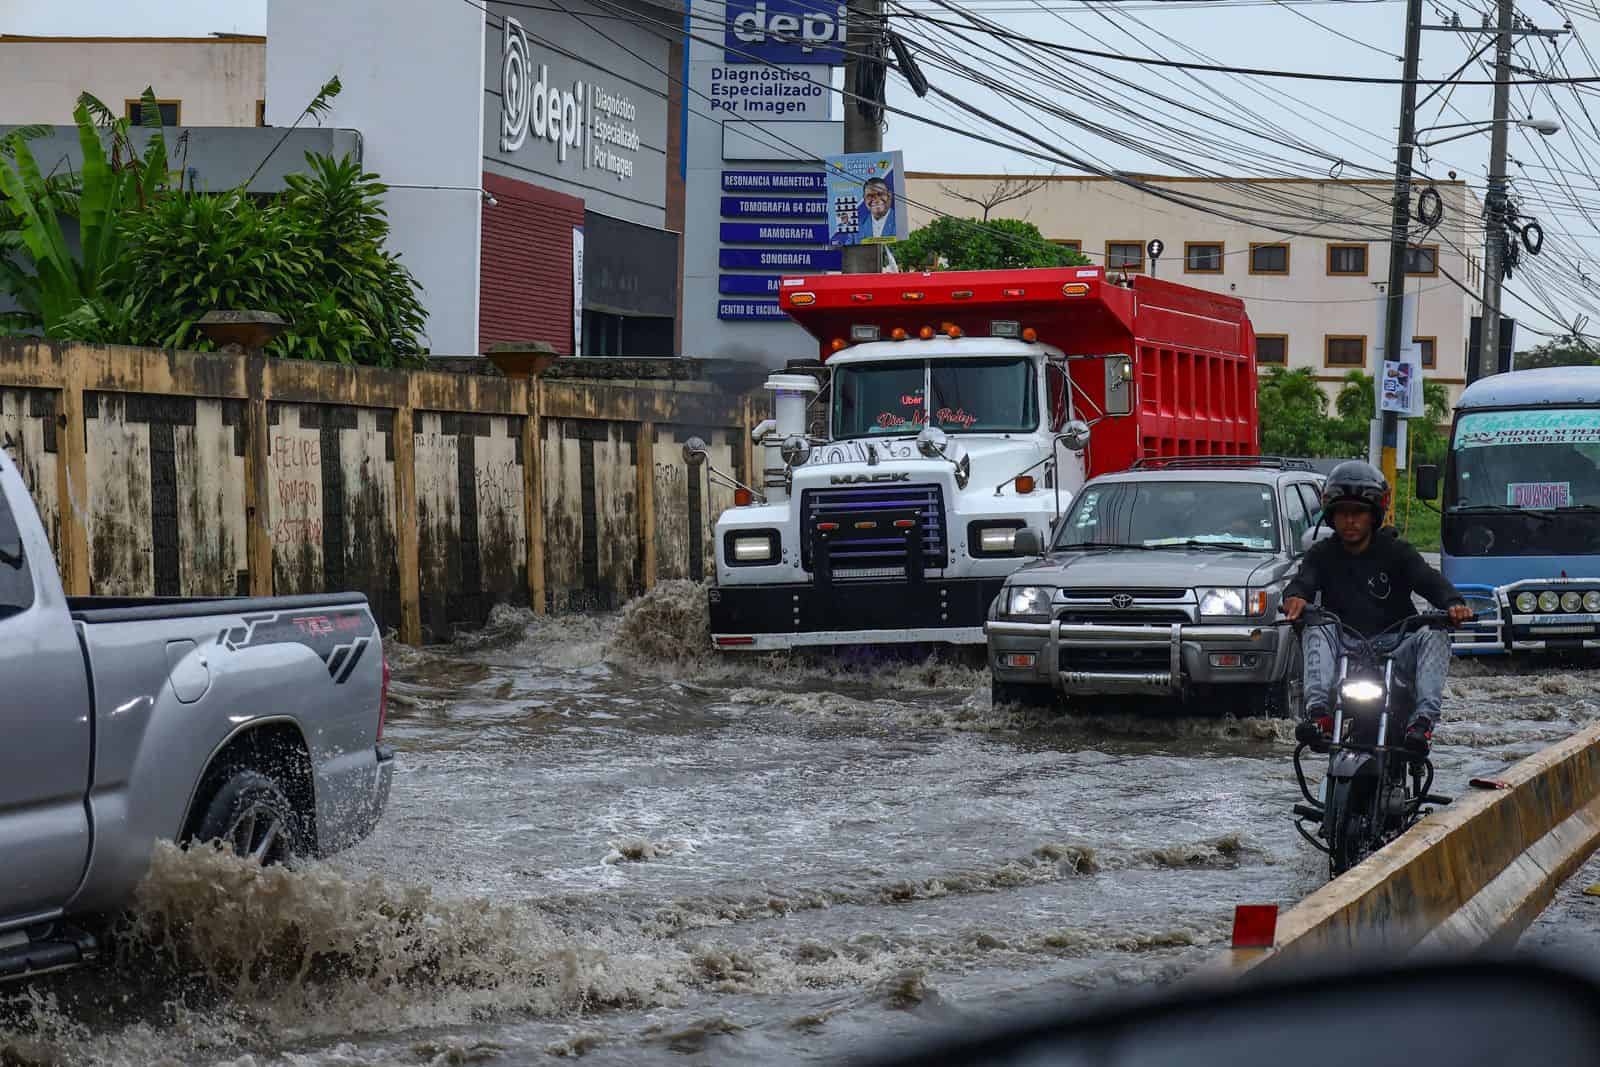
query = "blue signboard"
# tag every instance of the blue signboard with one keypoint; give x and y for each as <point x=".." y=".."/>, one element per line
<point x="799" y="260"/>
<point x="773" y="207"/>
<point x="784" y="31"/>
<point x="748" y="284"/>
<point x="747" y="310"/>
<point x="774" y="233"/>
<point x="773" y="181"/>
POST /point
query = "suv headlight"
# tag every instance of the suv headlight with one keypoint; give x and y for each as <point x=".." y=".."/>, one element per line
<point x="1027" y="600"/>
<point x="748" y="548"/>
<point x="1232" y="602"/>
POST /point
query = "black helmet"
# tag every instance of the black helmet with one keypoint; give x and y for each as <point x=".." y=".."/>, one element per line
<point x="1355" y="482"/>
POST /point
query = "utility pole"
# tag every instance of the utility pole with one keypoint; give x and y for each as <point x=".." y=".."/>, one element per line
<point x="1494" y="236"/>
<point x="863" y="119"/>
<point x="1399" y="234"/>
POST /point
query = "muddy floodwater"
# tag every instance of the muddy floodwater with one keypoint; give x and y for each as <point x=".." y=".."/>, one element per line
<point x="605" y="844"/>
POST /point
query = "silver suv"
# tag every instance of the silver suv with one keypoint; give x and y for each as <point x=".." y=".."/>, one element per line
<point x="1162" y="580"/>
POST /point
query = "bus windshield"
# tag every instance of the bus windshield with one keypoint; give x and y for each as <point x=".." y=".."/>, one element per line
<point x="1540" y="459"/>
<point x="967" y="396"/>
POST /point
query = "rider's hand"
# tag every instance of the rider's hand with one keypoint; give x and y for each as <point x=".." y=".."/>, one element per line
<point x="1460" y="613"/>
<point x="1292" y="607"/>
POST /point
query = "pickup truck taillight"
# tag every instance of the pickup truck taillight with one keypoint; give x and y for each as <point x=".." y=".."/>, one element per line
<point x="383" y="698"/>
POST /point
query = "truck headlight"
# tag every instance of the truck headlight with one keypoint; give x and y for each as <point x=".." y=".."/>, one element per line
<point x="1027" y="600"/>
<point x="750" y="547"/>
<point x="1232" y="602"/>
<point x="1527" y="603"/>
<point x="1361" y="690"/>
<point x="993" y="538"/>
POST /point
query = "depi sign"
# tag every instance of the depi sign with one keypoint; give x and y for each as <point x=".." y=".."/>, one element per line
<point x="528" y="101"/>
<point x="784" y="31"/>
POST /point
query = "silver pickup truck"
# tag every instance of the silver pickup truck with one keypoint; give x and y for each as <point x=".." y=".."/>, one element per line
<point x="254" y="722"/>
<point x="1162" y="580"/>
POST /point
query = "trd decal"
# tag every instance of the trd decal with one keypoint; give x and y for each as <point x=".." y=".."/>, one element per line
<point x="337" y="637"/>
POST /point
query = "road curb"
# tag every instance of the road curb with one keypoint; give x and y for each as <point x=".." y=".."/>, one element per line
<point x="1472" y="875"/>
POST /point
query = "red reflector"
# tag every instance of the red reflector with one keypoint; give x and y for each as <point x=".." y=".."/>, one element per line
<point x="1011" y="292"/>
<point x="904" y="524"/>
<point x="1224" y="659"/>
<point x="736" y="641"/>
<point x="911" y="296"/>
<point x="861" y="297"/>
<point x="866" y="526"/>
<point x="961" y="294"/>
<point x="1255" y="925"/>
<point x="825" y="526"/>
<point x="1017" y="659"/>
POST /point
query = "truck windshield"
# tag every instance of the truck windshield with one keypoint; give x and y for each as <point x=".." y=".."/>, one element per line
<point x="968" y="396"/>
<point x="1523" y="482"/>
<point x="1163" y="514"/>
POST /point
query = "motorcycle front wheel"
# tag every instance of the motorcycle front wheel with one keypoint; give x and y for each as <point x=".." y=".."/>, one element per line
<point x="1349" y="825"/>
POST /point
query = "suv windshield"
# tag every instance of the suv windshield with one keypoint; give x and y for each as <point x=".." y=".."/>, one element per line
<point x="968" y="396"/>
<point x="1156" y="514"/>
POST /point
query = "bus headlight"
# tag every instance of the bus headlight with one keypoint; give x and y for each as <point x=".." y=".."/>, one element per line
<point x="1549" y="602"/>
<point x="1027" y="601"/>
<point x="1571" y="601"/>
<point x="1527" y="603"/>
<point x="1591" y="602"/>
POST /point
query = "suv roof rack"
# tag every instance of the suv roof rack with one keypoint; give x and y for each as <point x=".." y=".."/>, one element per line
<point x="1202" y="462"/>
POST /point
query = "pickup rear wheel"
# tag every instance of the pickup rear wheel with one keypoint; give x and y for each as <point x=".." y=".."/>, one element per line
<point x="1021" y="694"/>
<point x="250" y="814"/>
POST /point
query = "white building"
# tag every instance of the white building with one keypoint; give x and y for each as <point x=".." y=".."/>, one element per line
<point x="199" y="81"/>
<point x="1316" y="301"/>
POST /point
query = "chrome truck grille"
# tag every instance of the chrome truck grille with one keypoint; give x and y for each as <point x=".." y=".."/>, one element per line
<point x="864" y="542"/>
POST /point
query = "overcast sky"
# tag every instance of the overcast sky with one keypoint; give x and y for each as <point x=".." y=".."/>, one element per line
<point x="1355" y="123"/>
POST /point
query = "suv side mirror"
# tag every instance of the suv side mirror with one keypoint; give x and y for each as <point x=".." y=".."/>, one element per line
<point x="1027" y="542"/>
<point x="1427" y="484"/>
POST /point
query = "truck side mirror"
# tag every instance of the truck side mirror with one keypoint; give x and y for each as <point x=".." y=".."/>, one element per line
<point x="1119" y="385"/>
<point x="1427" y="485"/>
<point x="1027" y="542"/>
<point x="1075" y="435"/>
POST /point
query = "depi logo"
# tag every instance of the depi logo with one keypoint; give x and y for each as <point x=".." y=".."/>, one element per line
<point x="784" y="31"/>
<point x="528" y="100"/>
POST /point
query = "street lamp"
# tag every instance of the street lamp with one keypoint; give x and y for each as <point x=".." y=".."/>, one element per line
<point x="1544" y="127"/>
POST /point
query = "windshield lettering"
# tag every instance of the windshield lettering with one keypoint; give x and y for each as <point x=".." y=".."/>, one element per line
<point x="967" y="396"/>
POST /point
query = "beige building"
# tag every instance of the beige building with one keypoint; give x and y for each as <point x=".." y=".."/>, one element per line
<point x="1315" y="300"/>
<point x="199" y="81"/>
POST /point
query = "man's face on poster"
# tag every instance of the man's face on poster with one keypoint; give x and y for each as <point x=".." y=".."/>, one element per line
<point x="876" y="194"/>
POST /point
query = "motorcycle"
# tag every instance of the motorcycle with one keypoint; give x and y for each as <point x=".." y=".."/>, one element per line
<point x="1373" y="791"/>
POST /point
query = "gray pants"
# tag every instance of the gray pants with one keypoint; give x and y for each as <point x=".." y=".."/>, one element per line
<point x="1424" y="657"/>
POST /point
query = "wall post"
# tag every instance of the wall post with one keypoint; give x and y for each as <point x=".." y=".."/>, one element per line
<point x="72" y="474"/>
<point x="644" y="455"/>
<point x="405" y="515"/>
<point x="257" y="489"/>
<point x="537" y="597"/>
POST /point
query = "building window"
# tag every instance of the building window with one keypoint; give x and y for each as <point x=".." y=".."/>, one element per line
<point x="1430" y="350"/>
<point x="1344" y="350"/>
<point x="1422" y="260"/>
<point x="1125" y="255"/>
<point x="171" y="112"/>
<point x="1347" y="260"/>
<point x="1076" y="246"/>
<point x="1269" y="259"/>
<point x="261" y="112"/>
<point x="1200" y="257"/>
<point x="1272" y="348"/>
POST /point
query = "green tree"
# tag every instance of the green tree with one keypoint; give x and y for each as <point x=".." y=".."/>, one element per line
<point x="1357" y="402"/>
<point x="1568" y="350"/>
<point x="1293" y="411"/>
<point x="949" y="243"/>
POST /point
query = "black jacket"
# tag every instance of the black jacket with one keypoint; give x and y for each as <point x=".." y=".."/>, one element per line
<point x="1371" y="591"/>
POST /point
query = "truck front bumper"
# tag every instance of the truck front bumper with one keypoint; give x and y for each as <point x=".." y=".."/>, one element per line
<point x="756" y="618"/>
<point x="1094" y="659"/>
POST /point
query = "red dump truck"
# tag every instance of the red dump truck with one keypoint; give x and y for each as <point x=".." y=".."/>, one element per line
<point x="962" y="407"/>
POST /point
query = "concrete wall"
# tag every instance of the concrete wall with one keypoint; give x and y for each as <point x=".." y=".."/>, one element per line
<point x="438" y="495"/>
<point x="216" y="81"/>
<point x="412" y="72"/>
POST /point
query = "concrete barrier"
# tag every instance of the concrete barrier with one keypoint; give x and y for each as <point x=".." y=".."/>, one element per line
<point x="1472" y="875"/>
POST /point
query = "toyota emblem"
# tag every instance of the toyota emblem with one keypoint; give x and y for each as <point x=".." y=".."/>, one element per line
<point x="1122" y="600"/>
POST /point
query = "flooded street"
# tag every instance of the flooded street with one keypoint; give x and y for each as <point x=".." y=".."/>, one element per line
<point x="604" y="844"/>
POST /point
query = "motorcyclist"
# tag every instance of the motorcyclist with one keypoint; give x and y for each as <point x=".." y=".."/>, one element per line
<point x="1366" y="574"/>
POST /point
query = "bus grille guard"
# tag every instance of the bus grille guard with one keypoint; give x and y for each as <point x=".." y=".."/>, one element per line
<point x="1171" y="637"/>
<point x="1486" y="633"/>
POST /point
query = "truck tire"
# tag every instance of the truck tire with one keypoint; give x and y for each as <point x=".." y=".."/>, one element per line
<point x="1021" y="694"/>
<point x="250" y="814"/>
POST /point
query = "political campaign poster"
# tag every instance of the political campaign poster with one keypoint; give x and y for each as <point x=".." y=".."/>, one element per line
<point x="866" y="198"/>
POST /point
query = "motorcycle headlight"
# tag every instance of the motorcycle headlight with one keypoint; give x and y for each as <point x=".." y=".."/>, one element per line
<point x="1232" y="602"/>
<point x="1571" y="601"/>
<point x="1591" y="601"/>
<point x="1361" y="690"/>
<point x="1549" y="602"/>
<point x="1027" y="600"/>
<point x="1527" y="603"/>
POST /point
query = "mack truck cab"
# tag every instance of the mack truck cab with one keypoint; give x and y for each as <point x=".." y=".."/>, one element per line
<point x="960" y="408"/>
